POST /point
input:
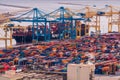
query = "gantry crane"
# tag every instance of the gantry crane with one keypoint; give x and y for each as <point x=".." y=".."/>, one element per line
<point x="63" y="16"/>
<point x="88" y="14"/>
<point x="113" y="15"/>
<point x="92" y="15"/>
<point x="5" y="18"/>
<point x="6" y="28"/>
<point x="83" y="13"/>
<point x="92" y="18"/>
<point x="36" y="17"/>
<point x="112" y="12"/>
<point x="67" y="18"/>
<point x="7" y="36"/>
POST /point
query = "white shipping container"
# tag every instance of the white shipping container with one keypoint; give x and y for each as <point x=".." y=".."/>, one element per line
<point x="78" y="72"/>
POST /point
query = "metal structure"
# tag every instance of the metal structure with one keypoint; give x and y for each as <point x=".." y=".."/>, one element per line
<point x="8" y="30"/>
<point x="113" y="14"/>
<point x="68" y="22"/>
<point x="61" y="15"/>
<point x="92" y="19"/>
<point x="5" y="18"/>
<point x="67" y="18"/>
<point x="64" y="17"/>
<point x="93" y="15"/>
<point x="16" y="6"/>
<point x="36" y="17"/>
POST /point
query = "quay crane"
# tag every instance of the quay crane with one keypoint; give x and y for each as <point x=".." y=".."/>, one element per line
<point x="63" y="17"/>
<point x="92" y="18"/>
<point x="5" y="18"/>
<point x="91" y="15"/>
<point x="113" y="14"/>
<point x="67" y="19"/>
<point x="36" y="17"/>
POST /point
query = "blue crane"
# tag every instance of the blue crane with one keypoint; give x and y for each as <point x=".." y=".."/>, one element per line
<point x="36" y="17"/>
<point x="63" y="15"/>
<point x="60" y="15"/>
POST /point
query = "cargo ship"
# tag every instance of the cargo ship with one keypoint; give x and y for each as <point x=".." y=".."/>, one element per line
<point x="25" y="35"/>
<point x="22" y="36"/>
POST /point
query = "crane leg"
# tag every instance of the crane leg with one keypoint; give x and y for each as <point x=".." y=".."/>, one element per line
<point x="6" y="39"/>
<point x="10" y="38"/>
<point x="119" y="28"/>
<point x="109" y="27"/>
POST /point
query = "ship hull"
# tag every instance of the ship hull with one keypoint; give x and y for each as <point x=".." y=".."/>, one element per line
<point x="23" y="39"/>
<point x="26" y="37"/>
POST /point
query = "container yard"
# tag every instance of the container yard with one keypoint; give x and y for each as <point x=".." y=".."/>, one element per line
<point x="71" y="40"/>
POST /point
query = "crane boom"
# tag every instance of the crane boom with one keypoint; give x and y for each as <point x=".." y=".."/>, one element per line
<point x="72" y="4"/>
<point x="14" y="6"/>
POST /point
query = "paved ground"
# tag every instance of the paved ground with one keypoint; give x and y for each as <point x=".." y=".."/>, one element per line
<point x="45" y="77"/>
<point x="3" y="78"/>
<point x="107" y="77"/>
